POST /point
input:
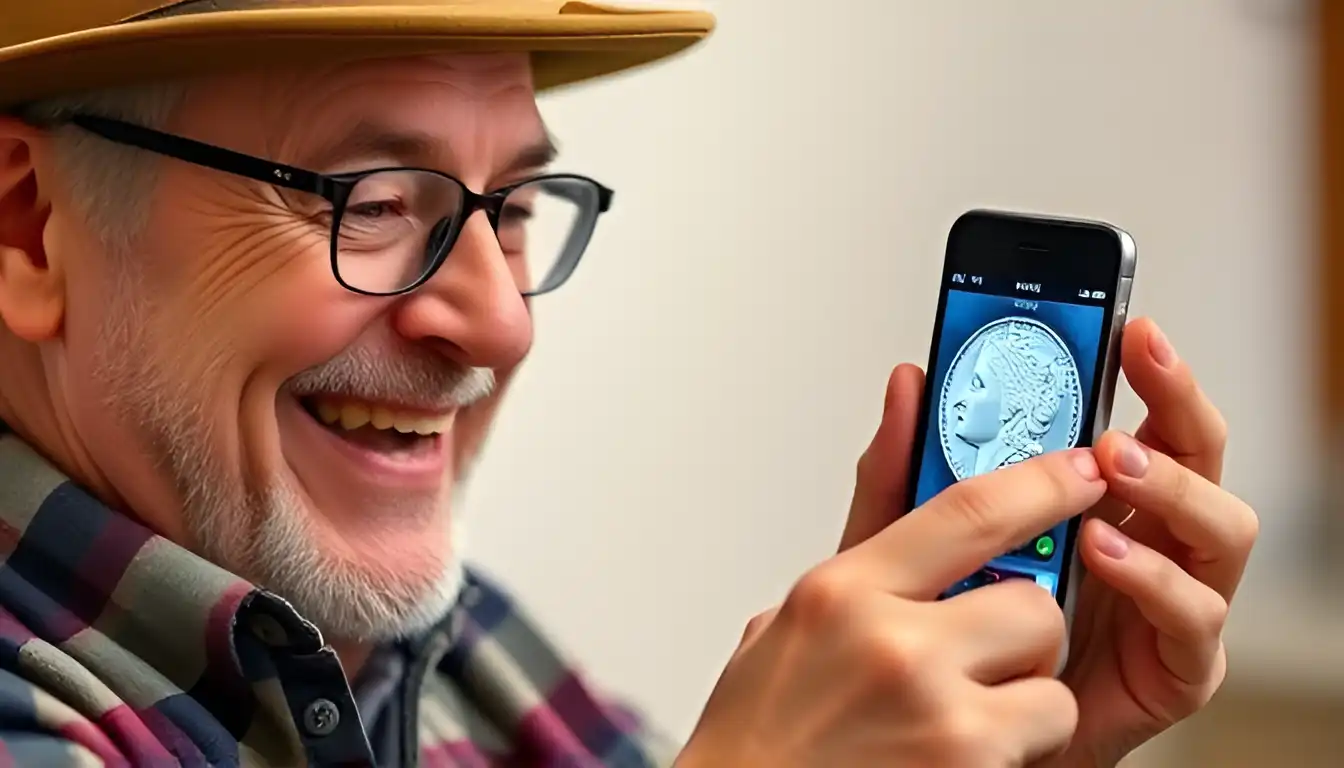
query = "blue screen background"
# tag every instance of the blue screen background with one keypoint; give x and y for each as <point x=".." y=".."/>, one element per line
<point x="1080" y="327"/>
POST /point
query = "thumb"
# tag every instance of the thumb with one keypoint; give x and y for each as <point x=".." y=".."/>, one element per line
<point x="880" y="490"/>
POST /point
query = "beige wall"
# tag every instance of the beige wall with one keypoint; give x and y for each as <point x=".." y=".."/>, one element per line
<point x="681" y="445"/>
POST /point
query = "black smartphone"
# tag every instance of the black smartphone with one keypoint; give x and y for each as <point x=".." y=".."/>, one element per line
<point x="1025" y="358"/>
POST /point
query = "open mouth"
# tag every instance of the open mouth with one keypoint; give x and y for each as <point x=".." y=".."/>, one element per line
<point x="388" y="430"/>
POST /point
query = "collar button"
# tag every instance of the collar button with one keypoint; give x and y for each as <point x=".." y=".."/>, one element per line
<point x="321" y="717"/>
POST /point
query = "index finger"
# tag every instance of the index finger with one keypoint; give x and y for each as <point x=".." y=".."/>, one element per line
<point x="970" y="523"/>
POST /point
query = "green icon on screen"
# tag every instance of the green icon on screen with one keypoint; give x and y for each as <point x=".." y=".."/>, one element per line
<point x="1045" y="546"/>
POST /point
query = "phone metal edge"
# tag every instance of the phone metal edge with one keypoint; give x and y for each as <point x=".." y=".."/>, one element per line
<point x="1110" y="377"/>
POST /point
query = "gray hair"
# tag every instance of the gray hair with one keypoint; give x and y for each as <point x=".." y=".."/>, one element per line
<point x="110" y="181"/>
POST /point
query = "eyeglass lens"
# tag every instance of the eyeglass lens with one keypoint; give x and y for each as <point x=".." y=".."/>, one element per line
<point x="398" y="224"/>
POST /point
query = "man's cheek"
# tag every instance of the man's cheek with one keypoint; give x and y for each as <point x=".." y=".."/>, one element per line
<point x="292" y="320"/>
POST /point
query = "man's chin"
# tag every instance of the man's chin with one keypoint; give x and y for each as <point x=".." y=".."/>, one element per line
<point x="395" y="578"/>
<point x="363" y="549"/>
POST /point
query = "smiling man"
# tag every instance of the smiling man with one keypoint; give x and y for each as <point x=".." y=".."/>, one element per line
<point x="265" y="273"/>
<point x="257" y="353"/>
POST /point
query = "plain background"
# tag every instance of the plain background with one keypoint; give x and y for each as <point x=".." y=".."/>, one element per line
<point x="681" y="445"/>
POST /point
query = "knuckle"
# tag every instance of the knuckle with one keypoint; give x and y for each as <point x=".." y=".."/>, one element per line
<point x="1062" y="705"/>
<point x="1246" y="529"/>
<point x="1062" y="479"/>
<point x="866" y="469"/>
<point x="757" y="624"/>
<point x="1036" y="610"/>
<point x="1192" y="698"/>
<point x="821" y="597"/>
<point x="1041" y="606"/>
<point x="1216" y="432"/>
<point x="1211" y="615"/>
<point x="1065" y="703"/>
<point x="963" y="736"/>
<point x="897" y="658"/>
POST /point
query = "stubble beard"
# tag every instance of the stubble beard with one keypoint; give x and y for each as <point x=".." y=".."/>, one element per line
<point x="263" y="531"/>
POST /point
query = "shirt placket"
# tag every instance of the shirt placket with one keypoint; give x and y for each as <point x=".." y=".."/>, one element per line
<point x="316" y="691"/>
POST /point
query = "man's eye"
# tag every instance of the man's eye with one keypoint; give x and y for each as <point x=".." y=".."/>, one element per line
<point x="373" y="210"/>
<point x="977" y="383"/>
<point x="514" y="214"/>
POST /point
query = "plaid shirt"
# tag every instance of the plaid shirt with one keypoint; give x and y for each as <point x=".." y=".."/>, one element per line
<point x="119" y="648"/>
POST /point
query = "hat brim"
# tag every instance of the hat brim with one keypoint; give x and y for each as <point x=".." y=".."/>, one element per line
<point x="566" y="47"/>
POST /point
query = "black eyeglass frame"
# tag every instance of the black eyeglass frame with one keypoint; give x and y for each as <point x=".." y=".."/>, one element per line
<point x="337" y="188"/>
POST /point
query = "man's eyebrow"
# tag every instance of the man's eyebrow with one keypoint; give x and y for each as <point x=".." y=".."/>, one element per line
<point x="534" y="156"/>
<point x="368" y="140"/>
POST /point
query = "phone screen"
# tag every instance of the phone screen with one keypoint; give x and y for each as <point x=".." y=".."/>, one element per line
<point x="1021" y="339"/>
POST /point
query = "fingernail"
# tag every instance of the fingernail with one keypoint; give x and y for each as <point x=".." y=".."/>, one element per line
<point x="1161" y="349"/>
<point x="1131" y="459"/>
<point x="1086" y="465"/>
<point x="1111" y="542"/>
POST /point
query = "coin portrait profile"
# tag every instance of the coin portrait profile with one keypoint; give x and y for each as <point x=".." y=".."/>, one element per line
<point x="1011" y="393"/>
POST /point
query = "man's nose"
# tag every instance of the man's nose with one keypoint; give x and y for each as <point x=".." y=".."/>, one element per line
<point x="471" y="307"/>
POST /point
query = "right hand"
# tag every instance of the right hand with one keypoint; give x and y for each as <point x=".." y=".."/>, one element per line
<point x="861" y="665"/>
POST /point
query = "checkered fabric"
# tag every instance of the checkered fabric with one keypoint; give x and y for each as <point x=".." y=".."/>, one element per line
<point x="119" y="648"/>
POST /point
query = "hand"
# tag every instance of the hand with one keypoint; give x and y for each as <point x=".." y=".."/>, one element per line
<point x="862" y="666"/>
<point x="1147" y="648"/>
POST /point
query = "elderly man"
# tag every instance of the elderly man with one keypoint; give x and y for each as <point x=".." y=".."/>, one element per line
<point x="256" y="323"/>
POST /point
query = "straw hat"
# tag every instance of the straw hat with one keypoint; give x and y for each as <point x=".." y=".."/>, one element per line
<point x="51" y="47"/>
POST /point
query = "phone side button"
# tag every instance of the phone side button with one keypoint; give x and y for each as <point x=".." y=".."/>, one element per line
<point x="1122" y="298"/>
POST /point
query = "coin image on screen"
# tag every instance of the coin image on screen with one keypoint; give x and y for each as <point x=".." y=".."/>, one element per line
<point x="1012" y="392"/>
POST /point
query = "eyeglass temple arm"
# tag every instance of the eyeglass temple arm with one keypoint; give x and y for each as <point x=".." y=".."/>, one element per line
<point x="206" y="155"/>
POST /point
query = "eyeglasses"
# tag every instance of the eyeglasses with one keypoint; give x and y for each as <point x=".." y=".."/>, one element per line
<point x="392" y="228"/>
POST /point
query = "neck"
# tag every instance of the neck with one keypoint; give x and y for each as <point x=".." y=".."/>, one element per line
<point x="33" y="408"/>
<point x="986" y="457"/>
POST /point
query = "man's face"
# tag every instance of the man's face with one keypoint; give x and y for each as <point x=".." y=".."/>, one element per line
<point x="241" y="400"/>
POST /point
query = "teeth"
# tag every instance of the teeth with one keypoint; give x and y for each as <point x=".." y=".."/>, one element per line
<point x="382" y="418"/>
<point x="420" y="425"/>
<point x="328" y="413"/>
<point x="353" y="416"/>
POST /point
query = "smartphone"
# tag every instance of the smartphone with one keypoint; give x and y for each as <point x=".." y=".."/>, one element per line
<point x="1024" y="360"/>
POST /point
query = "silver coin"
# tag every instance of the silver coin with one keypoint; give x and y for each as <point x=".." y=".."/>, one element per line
<point x="1011" y="393"/>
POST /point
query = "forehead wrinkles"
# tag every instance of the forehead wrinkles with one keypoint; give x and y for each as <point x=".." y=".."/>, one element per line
<point x="453" y="95"/>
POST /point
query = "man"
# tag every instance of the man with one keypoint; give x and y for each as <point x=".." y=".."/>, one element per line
<point x="256" y="322"/>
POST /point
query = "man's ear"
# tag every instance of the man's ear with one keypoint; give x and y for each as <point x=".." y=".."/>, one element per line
<point x="32" y="287"/>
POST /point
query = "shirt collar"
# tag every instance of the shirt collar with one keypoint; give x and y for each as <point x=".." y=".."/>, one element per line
<point x="88" y="569"/>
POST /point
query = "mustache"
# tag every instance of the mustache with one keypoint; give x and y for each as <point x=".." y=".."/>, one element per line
<point x="420" y="380"/>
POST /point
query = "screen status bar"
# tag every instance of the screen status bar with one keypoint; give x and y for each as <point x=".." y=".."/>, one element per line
<point x="1007" y="286"/>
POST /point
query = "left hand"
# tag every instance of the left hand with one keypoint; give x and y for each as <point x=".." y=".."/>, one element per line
<point x="1147" y="633"/>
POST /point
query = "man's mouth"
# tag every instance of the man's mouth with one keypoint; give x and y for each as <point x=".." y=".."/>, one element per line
<point x="387" y="429"/>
